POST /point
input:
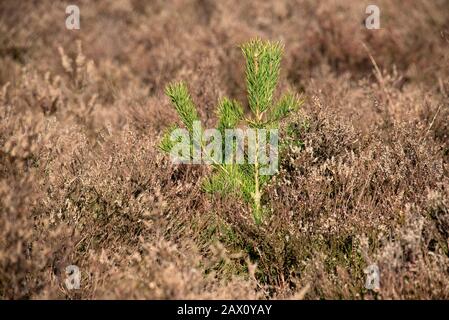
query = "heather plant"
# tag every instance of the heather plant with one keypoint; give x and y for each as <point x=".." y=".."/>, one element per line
<point x="246" y="178"/>
<point x="363" y="168"/>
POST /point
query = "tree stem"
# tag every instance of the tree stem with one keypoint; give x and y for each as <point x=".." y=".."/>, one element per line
<point x="257" y="195"/>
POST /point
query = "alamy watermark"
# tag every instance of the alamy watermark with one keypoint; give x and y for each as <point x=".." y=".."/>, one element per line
<point x="73" y="277"/>
<point x="373" y="20"/>
<point x="72" y="22"/>
<point x="372" y="277"/>
<point x="231" y="146"/>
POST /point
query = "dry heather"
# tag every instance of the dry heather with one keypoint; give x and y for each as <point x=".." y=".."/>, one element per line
<point x="364" y="166"/>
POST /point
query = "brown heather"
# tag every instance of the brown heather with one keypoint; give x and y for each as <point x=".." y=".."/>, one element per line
<point x="363" y="175"/>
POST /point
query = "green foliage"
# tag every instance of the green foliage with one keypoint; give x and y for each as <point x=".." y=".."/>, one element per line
<point x="263" y="60"/>
<point x="229" y="114"/>
<point x="180" y="97"/>
<point x="288" y="103"/>
<point x="224" y="181"/>
<point x="166" y="144"/>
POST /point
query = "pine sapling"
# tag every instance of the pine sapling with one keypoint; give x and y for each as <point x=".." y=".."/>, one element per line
<point x="245" y="178"/>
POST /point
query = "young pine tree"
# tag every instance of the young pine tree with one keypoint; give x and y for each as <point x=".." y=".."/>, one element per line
<point x="262" y="73"/>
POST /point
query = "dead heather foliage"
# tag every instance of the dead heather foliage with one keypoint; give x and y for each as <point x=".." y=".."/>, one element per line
<point x="363" y="178"/>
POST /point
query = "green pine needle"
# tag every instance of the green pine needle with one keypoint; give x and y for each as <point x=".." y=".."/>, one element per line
<point x="180" y="97"/>
<point x="263" y="60"/>
<point x="166" y="144"/>
<point x="229" y="114"/>
<point x="288" y="103"/>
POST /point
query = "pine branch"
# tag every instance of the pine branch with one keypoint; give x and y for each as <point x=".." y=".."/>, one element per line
<point x="287" y="104"/>
<point x="166" y="144"/>
<point x="229" y="114"/>
<point x="180" y="97"/>
<point x="263" y="60"/>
